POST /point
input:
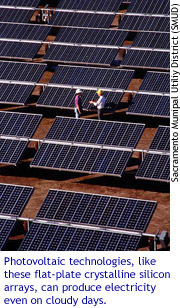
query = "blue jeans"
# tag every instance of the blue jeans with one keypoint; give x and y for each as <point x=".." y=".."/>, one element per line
<point x="76" y="113"/>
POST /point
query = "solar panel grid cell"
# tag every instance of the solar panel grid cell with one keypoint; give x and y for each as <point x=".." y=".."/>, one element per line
<point x="92" y="160"/>
<point x="149" y="7"/>
<point x="150" y="105"/>
<point x="11" y="151"/>
<point x="97" y="210"/>
<point x="26" y="32"/>
<point x="95" y="77"/>
<point x="90" y="5"/>
<point x="161" y="140"/>
<point x="46" y="237"/>
<point x="6" y="227"/>
<point x="145" y="23"/>
<point x="18" y="124"/>
<point x="21" y="71"/>
<point x="155" y="167"/>
<point x="13" y="199"/>
<point x="15" y="15"/>
<point x="18" y="50"/>
<point x="24" y="3"/>
<point x="16" y="94"/>
<point x="95" y="132"/>
<point x="91" y="36"/>
<point x="152" y="40"/>
<point x="156" y="82"/>
<point x="80" y="54"/>
<point x="85" y="20"/>
<point x="146" y="58"/>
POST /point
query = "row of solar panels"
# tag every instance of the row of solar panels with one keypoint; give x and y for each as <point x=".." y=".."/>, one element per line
<point x="89" y="20"/>
<point x="83" y="145"/>
<point x="91" y="55"/>
<point x="87" y="77"/>
<point x="14" y="91"/>
<point x="84" y="209"/>
<point x="84" y="36"/>
<point x="83" y="131"/>
<point x="136" y="6"/>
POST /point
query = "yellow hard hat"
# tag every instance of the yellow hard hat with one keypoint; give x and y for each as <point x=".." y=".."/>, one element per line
<point x="100" y="92"/>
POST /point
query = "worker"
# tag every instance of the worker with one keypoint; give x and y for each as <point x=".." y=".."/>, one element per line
<point x="99" y="103"/>
<point x="78" y="104"/>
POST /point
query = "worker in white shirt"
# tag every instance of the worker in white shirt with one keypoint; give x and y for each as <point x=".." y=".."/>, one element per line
<point x="100" y="104"/>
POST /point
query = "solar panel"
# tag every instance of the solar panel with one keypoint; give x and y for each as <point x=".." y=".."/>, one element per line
<point x="21" y="71"/>
<point x="152" y="40"/>
<point x="6" y="228"/>
<point x="146" y="59"/>
<point x="90" y="5"/>
<point x="18" y="50"/>
<point x="24" y="3"/>
<point x="155" y="167"/>
<point x="156" y="82"/>
<point x="26" y="32"/>
<point x="85" y="20"/>
<point x="93" y="77"/>
<point x="150" y="105"/>
<point x="150" y="7"/>
<point x="91" y="36"/>
<point x="96" y="132"/>
<point x="15" y="93"/>
<point x="15" y="15"/>
<point x="79" y="54"/>
<point x="99" y="210"/>
<point x="161" y="140"/>
<point x="64" y="98"/>
<point x="13" y="198"/>
<point x="81" y="159"/>
<point x="57" y="238"/>
<point x="11" y="151"/>
<point x="145" y="23"/>
<point x="18" y="124"/>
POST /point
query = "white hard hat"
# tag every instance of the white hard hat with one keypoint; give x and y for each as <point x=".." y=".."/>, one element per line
<point x="78" y="91"/>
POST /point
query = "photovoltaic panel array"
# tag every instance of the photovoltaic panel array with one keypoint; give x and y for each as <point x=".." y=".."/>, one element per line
<point x="146" y="59"/>
<point x="6" y="228"/>
<point x="91" y="36"/>
<point x="152" y="40"/>
<point x="11" y="151"/>
<point x="155" y="167"/>
<point x="90" y="5"/>
<point x="15" y="93"/>
<point x="64" y="98"/>
<point x="84" y="20"/>
<point x="150" y="105"/>
<point x="79" y="54"/>
<point x="161" y="140"/>
<point x="21" y="71"/>
<point x="84" y="159"/>
<point x="23" y="3"/>
<point x="161" y="7"/>
<point x="156" y="82"/>
<point x="18" y="50"/>
<point x="92" y="77"/>
<point x="26" y="32"/>
<point x="13" y="198"/>
<point x="15" y="15"/>
<point x="145" y="23"/>
<point x="57" y="238"/>
<point x="96" y="132"/>
<point x="99" y="210"/>
<point x="18" y="124"/>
